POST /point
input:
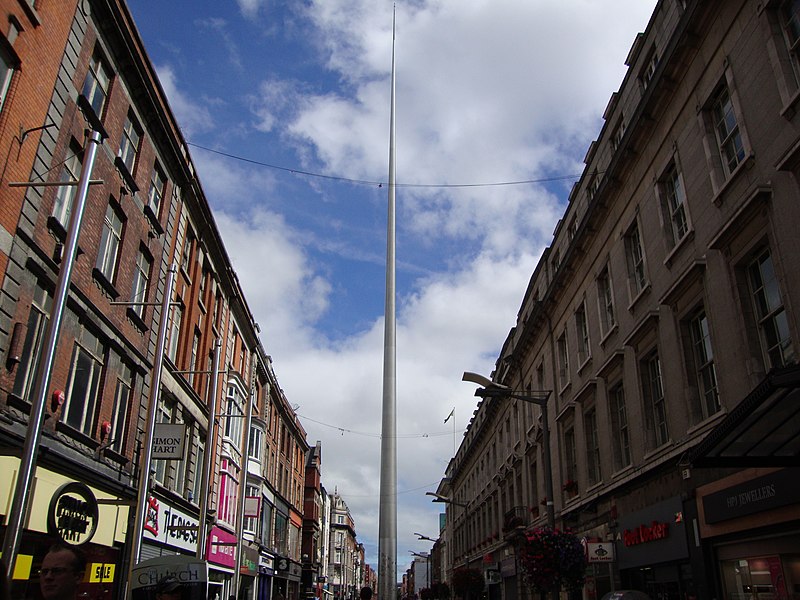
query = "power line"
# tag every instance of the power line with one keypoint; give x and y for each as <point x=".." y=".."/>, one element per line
<point x="344" y="430"/>
<point x="382" y="183"/>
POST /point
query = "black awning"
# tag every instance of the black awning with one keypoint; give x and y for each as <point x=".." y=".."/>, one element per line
<point x="762" y="431"/>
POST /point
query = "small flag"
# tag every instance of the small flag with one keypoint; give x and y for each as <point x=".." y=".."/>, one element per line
<point x="452" y="414"/>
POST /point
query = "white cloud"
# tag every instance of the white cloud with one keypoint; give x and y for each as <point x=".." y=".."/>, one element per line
<point x="192" y="116"/>
<point x="488" y="91"/>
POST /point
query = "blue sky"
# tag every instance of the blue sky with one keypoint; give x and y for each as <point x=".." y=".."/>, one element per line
<point x="488" y="92"/>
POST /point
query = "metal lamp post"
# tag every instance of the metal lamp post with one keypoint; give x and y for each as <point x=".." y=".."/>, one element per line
<point x="492" y="389"/>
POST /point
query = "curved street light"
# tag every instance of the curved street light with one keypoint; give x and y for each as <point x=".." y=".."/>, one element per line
<point x="492" y="389"/>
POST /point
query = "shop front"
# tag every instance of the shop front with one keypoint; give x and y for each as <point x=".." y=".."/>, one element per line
<point x="221" y="554"/>
<point x="652" y="551"/>
<point x="168" y="530"/>
<point x="751" y="522"/>
<point x="64" y="510"/>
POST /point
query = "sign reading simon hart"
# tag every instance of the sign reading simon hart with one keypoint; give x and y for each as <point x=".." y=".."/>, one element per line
<point x="168" y="440"/>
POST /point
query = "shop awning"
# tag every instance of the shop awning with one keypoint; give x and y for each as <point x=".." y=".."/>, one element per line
<point x="762" y="431"/>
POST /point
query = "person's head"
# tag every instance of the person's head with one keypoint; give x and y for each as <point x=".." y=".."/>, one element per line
<point x="61" y="572"/>
<point x="365" y="593"/>
<point x="169" y="588"/>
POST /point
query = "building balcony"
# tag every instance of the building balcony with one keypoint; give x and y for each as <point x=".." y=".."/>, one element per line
<point x="515" y="521"/>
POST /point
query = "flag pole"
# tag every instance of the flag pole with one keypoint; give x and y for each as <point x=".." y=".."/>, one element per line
<point x="387" y="525"/>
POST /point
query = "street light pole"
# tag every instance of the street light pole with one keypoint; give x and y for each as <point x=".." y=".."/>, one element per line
<point x="492" y="389"/>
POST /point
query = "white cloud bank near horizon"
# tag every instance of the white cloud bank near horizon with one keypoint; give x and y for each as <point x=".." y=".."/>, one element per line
<point x="499" y="91"/>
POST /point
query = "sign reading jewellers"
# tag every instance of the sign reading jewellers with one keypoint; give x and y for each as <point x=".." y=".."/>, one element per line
<point x="73" y="513"/>
<point x="762" y="493"/>
<point x="653" y="535"/>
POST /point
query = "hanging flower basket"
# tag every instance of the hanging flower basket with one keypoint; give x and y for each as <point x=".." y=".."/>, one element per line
<point x="570" y="486"/>
<point x="552" y="559"/>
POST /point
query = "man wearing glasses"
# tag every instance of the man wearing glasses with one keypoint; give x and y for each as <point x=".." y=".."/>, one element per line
<point x="61" y="572"/>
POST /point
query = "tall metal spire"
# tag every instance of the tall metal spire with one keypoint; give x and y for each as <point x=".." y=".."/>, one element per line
<point x="387" y="527"/>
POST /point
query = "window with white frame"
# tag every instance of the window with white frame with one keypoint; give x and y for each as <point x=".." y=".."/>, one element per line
<point x="156" y="193"/>
<point x="141" y="282"/>
<point x="703" y="365"/>
<point x="251" y="522"/>
<point x="773" y="324"/>
<point x="83" y="382"/>
<point x="97" y="83"/>
<point x="228" y="492"/>
<point x="119" y="414"/>
<point x="110" y="242"/>
<point x="70" y="171"/>
<point x="233" y="415"/>
<point x="634" y="254"/>
<point x="176" y="317"/>
<point x="654" y="401"/>
<point x="40" y="309"/>
<point x="582" y="330"/>
<point x="673" y="204"/>
<point x="198" y="459"/>
<point x="649" y="70"/>
<point x="129" y="143"/>
<point x="620" y="433"/>
<point x="563" y="360"/>
<point x="592" y="446"/>
<point x="726" y="130"/>
<point x="255" y="444"/>
<point x="7" y="68"/>
<point x="605" y="301"/>
<point x="619" y="133"/>
<point x="190" y="376"/>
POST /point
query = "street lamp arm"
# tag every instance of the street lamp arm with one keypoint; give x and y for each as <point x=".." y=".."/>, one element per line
<point x="483" y="381"/>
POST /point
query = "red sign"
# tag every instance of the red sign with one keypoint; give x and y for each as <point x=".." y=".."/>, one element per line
<point x="222" y="547"/>
<point x="643" y="533"/>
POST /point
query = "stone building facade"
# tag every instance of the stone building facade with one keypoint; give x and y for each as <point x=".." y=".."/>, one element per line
<point x="664" y="304"/>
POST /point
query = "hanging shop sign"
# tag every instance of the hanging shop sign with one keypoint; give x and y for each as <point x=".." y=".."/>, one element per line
<point x="168" y="441"/>
<point x="73" y="513"/>
<point x="222" y="548"/>
<point x="600" y="552"/>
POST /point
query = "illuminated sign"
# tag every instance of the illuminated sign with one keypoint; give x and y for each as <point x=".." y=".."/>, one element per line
<point x="644" y="533"/>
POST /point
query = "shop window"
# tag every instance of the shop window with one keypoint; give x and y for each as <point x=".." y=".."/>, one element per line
<point x="761" y="578"/>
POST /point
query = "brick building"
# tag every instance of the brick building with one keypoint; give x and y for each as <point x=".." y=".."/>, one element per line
<point x="73" y="67"/>
<point x="661" y="320"/>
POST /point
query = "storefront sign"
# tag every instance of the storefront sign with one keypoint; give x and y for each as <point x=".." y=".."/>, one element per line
<point x="184" y="577"/>
<point x="653" y="535"/>
<point x="762" y="493"/>
<point x="73" y="513"/>
<point x="168" y="440"/>
<point x="222" y="548"/>
<point x="249" y="561"/>
<point x="600" y="552"/>
<point x="645" y="533"/>
<point x="170" y="525"/>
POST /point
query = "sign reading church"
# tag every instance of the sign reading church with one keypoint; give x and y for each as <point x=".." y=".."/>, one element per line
<point x="168" y="441"/>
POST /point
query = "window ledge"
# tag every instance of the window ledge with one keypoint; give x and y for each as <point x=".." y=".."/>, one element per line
<point x="641" y="294"/>
<point x="676" y="249"/>
<point x="104" y="283"/>
<point x="92" y="117"/>
<point x="658" y="450"/>
<point x="137" y="320"/>
<point x="31" y="13"/>
<point x="126" y="175"/>
<point x="748" y="161"/>
<point x="705" y="423"/>
<point x="790" y="108"/>
<point x="623" y="471"/>
<point x="611" y="331"/>
<point x="153" y="219"/>
<point x="582" y="365"/>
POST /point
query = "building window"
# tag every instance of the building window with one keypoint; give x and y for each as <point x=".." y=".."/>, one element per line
<point x="141" y="282"/>
<point x="703" y="365"/>
<point x="582" y="329"/>
<point x="619" y="133"/>
<point x="175" y="328"/>
<point x="228" y="491"/>
<point x="649" y="70"/>
<point x="190" y="376"/>
<point x="110" y="243"/>
<point x="27" y="368"/>
<point x="605" y="301"/>
<point x="619" y="427"/>
<point x="655" y="405"/>
<point x="234" y="412"/>
<point x="119" y="415"/>
<point x="570" y="455"/>
<point x="186" y="256"/>
<point x="726" y="128"/>
<point x="255" y="443"/>
<point x="563" y="360"/>
<point x="97" y="84"/>
<point x="7" y="67"/>
<point x="70" y="171"/>
<point x="634" y="254"/>
<point x="790" y="17"/>
<point x="157" y="183"/>
<point x="198" y="455"/>
<point x="129" y="144"/>
<point x="592" y="446"/>
<point x="773" y="324"/>
<point x="83" y="383"/>
<point x="673" y="204"/>
<point x="251" y="523"/>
